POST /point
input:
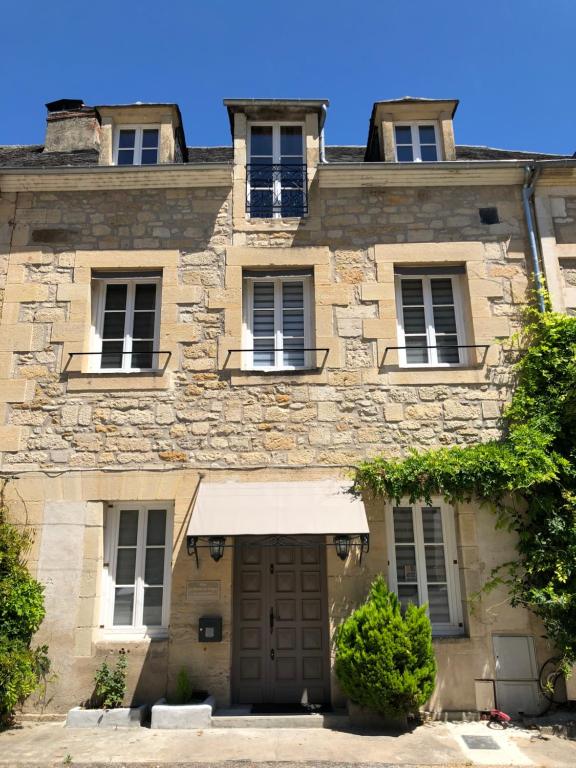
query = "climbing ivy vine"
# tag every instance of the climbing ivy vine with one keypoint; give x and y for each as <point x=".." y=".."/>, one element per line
<point x="528" y="476"/>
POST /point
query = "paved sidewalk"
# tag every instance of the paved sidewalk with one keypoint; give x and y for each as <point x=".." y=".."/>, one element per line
<point x="439" y="744"/>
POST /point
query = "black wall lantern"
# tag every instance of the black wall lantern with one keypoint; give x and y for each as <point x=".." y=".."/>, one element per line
<point x="342" y="544"/>
<point x="216" y="545"/>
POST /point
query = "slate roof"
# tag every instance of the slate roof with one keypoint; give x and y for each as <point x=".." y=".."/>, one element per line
<point x="33" y="156"/>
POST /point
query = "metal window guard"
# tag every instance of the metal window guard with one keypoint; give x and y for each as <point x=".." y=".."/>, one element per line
<point x="325" y="350"/>
<point x="485" y="347"/>
<point x="166" y="352"/>
<point x="276" y="189"/>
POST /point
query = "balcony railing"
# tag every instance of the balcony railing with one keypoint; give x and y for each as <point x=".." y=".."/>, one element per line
<point x="275" y="191"/>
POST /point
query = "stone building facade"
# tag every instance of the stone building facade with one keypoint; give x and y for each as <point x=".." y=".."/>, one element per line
<point x="112" y="452"/>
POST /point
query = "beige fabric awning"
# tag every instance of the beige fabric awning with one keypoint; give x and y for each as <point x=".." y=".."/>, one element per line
<point x="254" y="509"/>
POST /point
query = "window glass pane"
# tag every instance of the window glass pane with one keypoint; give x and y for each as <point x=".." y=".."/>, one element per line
<point x="264" y="323"/>
<point x="111" y="356"/>
<point x="128" y="531"/>
<point x="416" y="351"/>
<point x="292" y="294"/>
<point x="293" y="354"/>
<point x="149" y="157"/>
<point x="113" y="325"/>
<point x="444" y="320"/>
<point x="435" y="563"/>
<point x="404" y="154"/>
<point x="261" y="141"/>
<point x="154" y="566"/>
<point x="447" y="349"/>
<point x="442" y="291"/>
<point x="403" y="134"/>
<point x="293" y="322"/>
<point x="127" y="139"/>
<point x="126" y="157"/>
<point x="427" y="134"/>
<point x="150" y="138"/>
<point x="407" y="594"/>
<point x="292" y="202"/>
<point x="116" y="296"/>
<point x="152" y="614"/>
<point x="263" y="353"/>
<point x="126" y="566"/>
<point x="403" y="525"/>
<point x="414" y="320"/>
<point x="412" y="292"/>
<point x="429" y="153"/>
<point x="156" y="533"/>
<point x="291" y="141"/>
<point x="263" y="295"/>
<point x="438" y="604"/>
<point x="142" y="354"/>
<point x="406" y="563"/>
<point x="145" y="297"/>
<point x="123" y="606"/>
<point x="143" y="327"/>
<point x="432" y="525"/>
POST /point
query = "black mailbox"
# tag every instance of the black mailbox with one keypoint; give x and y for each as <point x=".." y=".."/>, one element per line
<point x="210" y="629"/>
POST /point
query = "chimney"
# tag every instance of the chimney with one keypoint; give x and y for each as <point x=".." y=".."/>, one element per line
<point x="71" y="126"/>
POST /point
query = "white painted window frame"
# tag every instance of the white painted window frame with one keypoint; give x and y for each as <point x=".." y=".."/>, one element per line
<point x="276" y="154"/>
<point x="248" y="321"/>
<point x="111" y="531"/>
<point x="429" y="320"/>
<point x="456" y="624"/>
<point x="139" y="128"/>
<point x="416" y="146"/>
<point x="99" y="286"/>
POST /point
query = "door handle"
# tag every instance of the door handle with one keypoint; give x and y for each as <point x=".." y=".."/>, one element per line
<point x="271" y="620"/>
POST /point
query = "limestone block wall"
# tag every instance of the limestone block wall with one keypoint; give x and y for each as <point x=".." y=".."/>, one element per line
<point x="67" y="513"/>
<point x="201" y="412"/>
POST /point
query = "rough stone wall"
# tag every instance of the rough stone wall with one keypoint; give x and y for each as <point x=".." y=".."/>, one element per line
<point x="206" y="417"/>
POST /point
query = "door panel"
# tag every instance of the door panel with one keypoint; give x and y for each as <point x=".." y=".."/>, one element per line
<point x="281" y="650"/>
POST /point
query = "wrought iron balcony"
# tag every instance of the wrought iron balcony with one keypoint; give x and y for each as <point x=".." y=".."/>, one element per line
<point x="275" y="191"/>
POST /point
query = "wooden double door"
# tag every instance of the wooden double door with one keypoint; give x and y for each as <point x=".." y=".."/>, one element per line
<point x="280" y="641"/>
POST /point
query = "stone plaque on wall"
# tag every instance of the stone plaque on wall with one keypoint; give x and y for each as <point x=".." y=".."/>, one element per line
<point x="202" y="591"/>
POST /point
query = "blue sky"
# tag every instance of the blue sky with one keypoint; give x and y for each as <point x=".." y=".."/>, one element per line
<point x="510" y="62"/>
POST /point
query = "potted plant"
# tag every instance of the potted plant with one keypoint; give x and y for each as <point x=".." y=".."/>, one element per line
<point x="385" y="660"/>
<point x="104" y="709"/>
<point x="188" y="709"/>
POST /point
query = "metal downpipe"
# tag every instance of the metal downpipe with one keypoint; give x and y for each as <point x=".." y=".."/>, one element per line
<point x="531" y="175"/>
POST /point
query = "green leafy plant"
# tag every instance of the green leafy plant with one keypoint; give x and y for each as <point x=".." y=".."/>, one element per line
<point x="384" y="656"/>
<point x="22" y="668"/>
<point x="183" y="687"/>
<point x="110" y="684"/>
<point x="529" y="476"/>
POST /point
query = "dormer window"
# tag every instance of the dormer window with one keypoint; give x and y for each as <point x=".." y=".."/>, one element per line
<point x="137" y="145"/>
<point x="416" y="142"/>
<point x="276" y="172"/>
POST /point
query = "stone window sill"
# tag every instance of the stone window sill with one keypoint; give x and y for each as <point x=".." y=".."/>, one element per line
<point x="302" y="376"/>
<point x="79" y="382"/>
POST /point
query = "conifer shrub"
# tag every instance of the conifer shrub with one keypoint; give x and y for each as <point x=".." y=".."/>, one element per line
<point x="384" y="656"/>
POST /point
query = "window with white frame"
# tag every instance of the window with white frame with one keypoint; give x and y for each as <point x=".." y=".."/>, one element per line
<point x="276" y="173"/>
<point x="126" y="321"/>
<point x="430" y="317"/>
<point x="136" y="145"/>
<point x="416" y="142"/>
<point x="423" y="563"/>
<point x="137" y="565"/>
<point x="277" y="321"/>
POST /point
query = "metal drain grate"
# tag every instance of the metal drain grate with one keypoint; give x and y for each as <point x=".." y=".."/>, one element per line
<point x="480" y="742"/>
